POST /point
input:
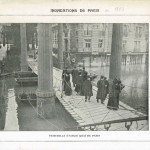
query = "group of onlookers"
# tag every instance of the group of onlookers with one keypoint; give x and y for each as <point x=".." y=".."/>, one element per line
<point x="82" y="83"/>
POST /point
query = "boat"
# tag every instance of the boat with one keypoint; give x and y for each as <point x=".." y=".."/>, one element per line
<point x="30" y="98"/>
<point x="26" y="78"/>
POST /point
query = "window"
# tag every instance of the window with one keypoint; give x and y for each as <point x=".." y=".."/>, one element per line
<point x="137" y="46"/>
<point x="87" y="30"/>
<point x="138" y="31"/>
<point x="87" y="44"/>
<point x="100" y="43"/>
<point x="124" y="44"/>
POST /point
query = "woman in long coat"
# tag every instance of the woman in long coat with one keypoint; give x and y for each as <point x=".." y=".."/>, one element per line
<point x="101" y="93"/>
<point x="113" y="102"/>
<point x="75" y="76"/>
<point x="79" y="83"/>
<point x="67" y="87"/>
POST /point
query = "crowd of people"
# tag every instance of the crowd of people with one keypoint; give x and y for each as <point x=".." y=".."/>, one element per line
<point x="82" y="83"/>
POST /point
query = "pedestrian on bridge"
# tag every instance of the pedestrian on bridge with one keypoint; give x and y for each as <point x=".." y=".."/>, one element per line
<point x="107" y="86"/>
<point x="87" y="86"/>
<point x="101" y="93"/>
<point x="79" y="83"/>
<point x="84" y="78"/>
<point x="67" y="87"/>
<point x="75" y="73"/>
<point x="113" y="102"/>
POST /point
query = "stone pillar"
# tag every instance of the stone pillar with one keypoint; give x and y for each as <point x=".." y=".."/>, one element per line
<point x="60" y="45"/>
<point x="116" y="52"/>
<point x="45" y="92"/>
<point x="24" y="64"/>
<point x="73" y="37"/>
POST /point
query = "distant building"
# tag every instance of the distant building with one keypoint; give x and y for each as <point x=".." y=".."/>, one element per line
<point x="96" y="38"/>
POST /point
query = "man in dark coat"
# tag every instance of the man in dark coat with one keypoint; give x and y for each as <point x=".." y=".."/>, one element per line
<point x="87" y="86"/>
<point x="67" y="89"/>
<point x="75" y="76"/>
<point x="84" y="77"/>
<point x="63" y="78"/>
<point x="84" y="74"/>
<point x="79" y="82"/>
<point x="113" y="102"/>
<point x="101" y="93"/>
<point x="107" y="86"/>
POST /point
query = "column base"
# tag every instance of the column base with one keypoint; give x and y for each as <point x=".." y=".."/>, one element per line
<point x="46" y="108"/>
<point x="45" y="104"/>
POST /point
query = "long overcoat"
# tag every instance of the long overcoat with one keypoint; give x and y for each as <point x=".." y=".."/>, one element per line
<point x="113" y="101"/>
<point x="87" y="86"/>
<point x="67" y="88"/>
<point x="101" y="93"/>
<point x="75" y="76"/>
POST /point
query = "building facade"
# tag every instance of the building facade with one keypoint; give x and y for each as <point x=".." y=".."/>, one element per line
<point x="96" y="38"/>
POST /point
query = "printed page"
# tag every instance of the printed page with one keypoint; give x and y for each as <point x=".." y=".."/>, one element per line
<point x="74" y="73"/>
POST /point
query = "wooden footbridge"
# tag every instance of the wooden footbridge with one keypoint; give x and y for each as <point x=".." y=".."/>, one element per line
<point x="92" y="115"/>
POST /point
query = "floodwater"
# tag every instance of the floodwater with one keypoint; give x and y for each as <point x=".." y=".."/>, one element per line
<point x="135" y="94"/>
<point x="27" y="113"/>
<point x="135" y="79"/>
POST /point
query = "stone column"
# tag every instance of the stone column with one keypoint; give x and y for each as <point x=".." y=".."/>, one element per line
<point x="24" y="64"/>
<point x="73" y="37"/>
<point x="45" y="92"/>
<point x="116" y="52"/>
<point x="60" y="45"/>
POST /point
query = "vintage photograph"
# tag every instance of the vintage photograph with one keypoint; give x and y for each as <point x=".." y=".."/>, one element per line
<point x="74" y="76"/>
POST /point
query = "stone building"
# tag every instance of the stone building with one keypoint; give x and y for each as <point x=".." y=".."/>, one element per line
<point x="92" y="42"/>
<point x="96" y="38"/>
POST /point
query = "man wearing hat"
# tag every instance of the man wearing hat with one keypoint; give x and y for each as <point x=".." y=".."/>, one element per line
<point x="87" y="86"/>
<point x="101" y="92"/>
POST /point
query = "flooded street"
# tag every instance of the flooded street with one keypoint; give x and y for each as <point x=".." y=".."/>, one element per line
<point x="26" y="113"/>
<point x="135" y="79"/>
<point x="135" y="94"/>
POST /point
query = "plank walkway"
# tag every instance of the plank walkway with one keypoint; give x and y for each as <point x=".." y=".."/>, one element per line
<point x="92" y="112"/>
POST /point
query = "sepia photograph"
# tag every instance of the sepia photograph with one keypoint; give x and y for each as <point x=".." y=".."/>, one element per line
<point x="74" y="76"/>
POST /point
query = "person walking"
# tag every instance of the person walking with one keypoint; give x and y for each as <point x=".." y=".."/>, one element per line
<point x="75" y="76"/>
<point x="84" y="74"/>
<point x="113" y="102"/>
<point x="67" y="88"/>
<point x="63" y="79"/>
<point x="79" y="83"/>
<point x="101" y="93"/>
<point x="84" y="78"/>
<point x="87" y="86"/>
<point x="107" y="86"/>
